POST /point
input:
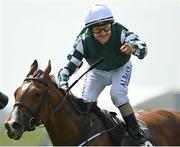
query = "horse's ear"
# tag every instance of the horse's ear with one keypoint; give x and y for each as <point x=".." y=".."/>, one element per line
<point x="33" y="68"/>
<point x="47" y="70"/>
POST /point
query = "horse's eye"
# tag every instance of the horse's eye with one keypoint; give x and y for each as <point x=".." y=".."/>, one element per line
<point x="37" y="95"/>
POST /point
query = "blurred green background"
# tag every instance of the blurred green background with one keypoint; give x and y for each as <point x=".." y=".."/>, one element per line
<point x="38" y="137"/>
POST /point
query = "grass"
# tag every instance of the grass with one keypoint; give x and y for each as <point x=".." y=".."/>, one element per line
<point x="37" y="137"/>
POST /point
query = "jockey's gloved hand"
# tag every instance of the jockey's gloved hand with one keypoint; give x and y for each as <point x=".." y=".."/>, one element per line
<point x="127" y="48"/>
<point x="62" y="84"/>
<point x="64" y="87"/>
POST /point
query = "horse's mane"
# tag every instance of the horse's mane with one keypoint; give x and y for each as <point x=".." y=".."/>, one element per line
<point x="37" y="73"/>
<point x="79" y="104"/>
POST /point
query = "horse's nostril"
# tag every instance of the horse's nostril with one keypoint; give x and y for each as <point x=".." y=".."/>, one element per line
<point x="7" y="126"/>
<point x="16" y="125"/>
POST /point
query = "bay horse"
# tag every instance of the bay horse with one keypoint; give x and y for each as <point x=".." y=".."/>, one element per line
<point x="39" y="101"/>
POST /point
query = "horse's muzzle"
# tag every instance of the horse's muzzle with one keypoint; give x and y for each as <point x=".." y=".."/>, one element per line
<point x="14" y="130"/>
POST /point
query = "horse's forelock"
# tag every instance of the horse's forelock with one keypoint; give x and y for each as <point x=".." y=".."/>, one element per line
<point x="37" y="73"/>
<point x="53" y="80"/>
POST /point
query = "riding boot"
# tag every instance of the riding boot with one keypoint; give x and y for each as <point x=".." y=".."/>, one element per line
<point x="131" y="123"/>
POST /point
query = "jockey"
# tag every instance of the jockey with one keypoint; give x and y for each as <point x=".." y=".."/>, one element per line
<point x="103" y="37"/>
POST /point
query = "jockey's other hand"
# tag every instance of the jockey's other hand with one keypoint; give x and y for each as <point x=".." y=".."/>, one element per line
<point x="65" y="88"/>
<point x="127" y="49"/>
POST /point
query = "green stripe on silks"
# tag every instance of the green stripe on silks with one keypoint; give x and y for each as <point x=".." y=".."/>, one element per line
<point x="71" y="67"/>
<point x="78" y="55"/>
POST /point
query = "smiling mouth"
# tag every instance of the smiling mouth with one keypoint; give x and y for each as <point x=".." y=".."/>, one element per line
<point x="103" y="37"/>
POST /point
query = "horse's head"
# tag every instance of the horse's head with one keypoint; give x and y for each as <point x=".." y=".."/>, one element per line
<point x="30" y="100"/>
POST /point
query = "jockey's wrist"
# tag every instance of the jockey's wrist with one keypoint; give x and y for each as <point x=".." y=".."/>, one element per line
<point x="133" y="49"/>
<point x="63" y="84"/>
<point x="66" y="84"/>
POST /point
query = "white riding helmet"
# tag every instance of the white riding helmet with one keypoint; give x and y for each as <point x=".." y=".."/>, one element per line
<point x="98" y="14"/>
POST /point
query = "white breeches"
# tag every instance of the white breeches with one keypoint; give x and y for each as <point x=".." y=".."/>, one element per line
<point x="97" y="80"/>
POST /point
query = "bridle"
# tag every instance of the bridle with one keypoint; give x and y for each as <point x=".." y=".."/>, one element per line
<point x="35" y="119"/>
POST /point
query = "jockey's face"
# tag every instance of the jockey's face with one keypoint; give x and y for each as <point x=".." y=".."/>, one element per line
<point x="102" y="33"/>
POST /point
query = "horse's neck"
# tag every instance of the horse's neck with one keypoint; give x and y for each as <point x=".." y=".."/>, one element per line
<point x="67" y="127"/>
<point x="64" y="125"/>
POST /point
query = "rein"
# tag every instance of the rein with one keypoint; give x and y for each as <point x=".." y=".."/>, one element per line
<point x="95" y="136"/>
